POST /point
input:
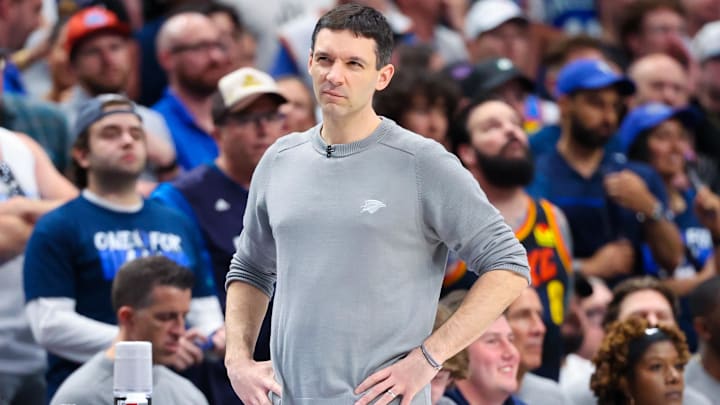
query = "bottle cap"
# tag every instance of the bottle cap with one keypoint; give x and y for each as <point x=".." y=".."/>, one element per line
<point x="133" y="368"/>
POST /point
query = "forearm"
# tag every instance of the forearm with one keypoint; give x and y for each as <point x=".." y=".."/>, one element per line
<point x="14" y="234"/>
<point x="244" y="312"/>
<point x="665" y="243"/>
<point x="484" y="303"/>
<point x="60" y="330"/>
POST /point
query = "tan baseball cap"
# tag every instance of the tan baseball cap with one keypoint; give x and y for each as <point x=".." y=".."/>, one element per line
<point x="245" y="85"/>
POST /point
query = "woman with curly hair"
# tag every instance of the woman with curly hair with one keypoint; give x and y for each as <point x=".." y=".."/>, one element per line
<point x="640" y="364"/>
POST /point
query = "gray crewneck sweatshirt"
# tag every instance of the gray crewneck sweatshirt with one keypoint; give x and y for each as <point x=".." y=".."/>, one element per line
<point x="356" y="241"/>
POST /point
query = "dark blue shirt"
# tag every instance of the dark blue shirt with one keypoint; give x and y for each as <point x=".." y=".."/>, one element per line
<point x="594" y="219"/>
<point x="193" y="145"/>
<point x="76" y="250"/>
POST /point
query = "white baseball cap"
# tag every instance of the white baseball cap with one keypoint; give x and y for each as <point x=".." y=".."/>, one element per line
<point x="245" y="85"/>
<point x="706" y="44"/>
<point x="486" y="15"/>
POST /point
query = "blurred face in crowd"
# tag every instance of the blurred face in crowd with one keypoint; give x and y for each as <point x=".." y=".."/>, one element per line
<point x="662" y="30"/>
<point x="231" y="37"/>
<point x="657" y="377"/>
<point x="197" y="57"/>
<point x="648" y="304"/>
<point x="494" y="361"/>
<point x="163" y="322"/>
<point x="659" y="78"/>
<point x="708" y="328"/>
<point x="592" y="116"/>
<point x="593" y="310"/>
<point x="427" y="118"/>
<point x="525" y="318"/>
<point x="22" y="18"/>
<point x="246" y="134"/>
<point x="708" y="89"/>
<point x="509" y="40"/>
<point x="498" y="146"/>
<point x="116" y="150"/>
<point x="299" y="111"/>
<point x="345" y="74"/>
<point x="101" y="64"/>
<point x="667" y="144"/>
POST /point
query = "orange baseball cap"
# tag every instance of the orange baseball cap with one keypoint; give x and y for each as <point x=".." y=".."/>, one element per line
<point x="89" y="21"/>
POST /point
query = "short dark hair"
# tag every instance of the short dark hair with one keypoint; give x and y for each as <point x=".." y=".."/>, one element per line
<point x="362" y="21"/>
<point x="705" y="298"/>
<point x="208" y="8"/>
<point x="558" y="52"/>
<point x="631" y="22"/>
<point x="635" y="284"/>
<point x="136" y="279"/>
<point x="397" y="98"/>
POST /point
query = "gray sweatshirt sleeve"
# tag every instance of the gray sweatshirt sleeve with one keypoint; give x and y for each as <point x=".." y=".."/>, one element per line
<point x="457" y="212"/>
<point x="254" y="259"/>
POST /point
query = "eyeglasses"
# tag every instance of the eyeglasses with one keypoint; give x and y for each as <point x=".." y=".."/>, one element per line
<point x="203" y="46"/>
<point x="261" y="118"/>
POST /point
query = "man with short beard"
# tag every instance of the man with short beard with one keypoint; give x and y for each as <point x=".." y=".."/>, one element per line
<point x="496" y="153"/>
<point x="193" y="55"/>
<point x="98" y="45"/>
<point x="612" y="205"/>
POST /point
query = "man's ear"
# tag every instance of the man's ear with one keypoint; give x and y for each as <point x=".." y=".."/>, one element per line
<point x="467" y="155"/>
<point x="385" y="75"/>
<point x="701" y="328"/>
<point x="80" y="156"/>
<point x="126" y="315"/>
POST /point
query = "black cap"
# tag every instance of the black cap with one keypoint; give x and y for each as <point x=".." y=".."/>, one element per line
<point x="487" y="76"/>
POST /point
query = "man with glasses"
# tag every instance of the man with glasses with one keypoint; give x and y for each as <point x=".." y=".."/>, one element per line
<point x="246" y="116"/>
<point x="190" y="50"/>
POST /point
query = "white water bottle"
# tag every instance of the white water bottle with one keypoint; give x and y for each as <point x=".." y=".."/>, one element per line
<point x="132" y="374"/>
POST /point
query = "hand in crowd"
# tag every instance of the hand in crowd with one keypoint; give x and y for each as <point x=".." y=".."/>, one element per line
<point x="218" y="342"/>
<point x="404" y="379"/>
<point x="22" y="207"/>
<point x="707" y="208"/>
<point x="252" y="380"/>
<point x="629" y="191"/>
<point x="189" y="353"/>
<point x="613" y="259"/>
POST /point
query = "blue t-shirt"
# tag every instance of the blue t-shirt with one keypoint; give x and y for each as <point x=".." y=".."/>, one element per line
<point x="545" y="141"/>
<point x="76" y="250"/>
<point x="193" y="145"/>
<point x="594" y="219"/>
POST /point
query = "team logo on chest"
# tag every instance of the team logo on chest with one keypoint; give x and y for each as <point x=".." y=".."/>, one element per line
<point x="372" y="206"/>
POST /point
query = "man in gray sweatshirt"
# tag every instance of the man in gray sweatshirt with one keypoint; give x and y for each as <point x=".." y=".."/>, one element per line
<point x="351" y="223"/>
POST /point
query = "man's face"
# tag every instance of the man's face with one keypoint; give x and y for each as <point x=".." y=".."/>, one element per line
<point x="24" y="16"/>
<point x="663" y="82"/>
<point x="299" y="111"/>
<point x="345" y="73"/>
<point x="708" y="89"/>
<point x="163" y="322"/>
<point x="525" y="318"/>
<point x="509" y="40"/>
<point x="427" y="118"/>
<point x="246" y="135"/>
<point x="116" y="148"/>
<point x="648" y="304"/>
<point x="494" y="360"/>
<point x="500" y="145"/>
<point x="100" y="63"/>
<point x="593" y="116"/>
<point x="593" y="310"/>
<point x="199" y="59"/>
<point x="662" y="31"/>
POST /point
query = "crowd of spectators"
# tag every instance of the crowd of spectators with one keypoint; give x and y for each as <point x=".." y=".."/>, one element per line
<point x="132" y="128"/>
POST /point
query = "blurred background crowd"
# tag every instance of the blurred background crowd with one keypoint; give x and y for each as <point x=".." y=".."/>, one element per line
<point x="592" y="126"/>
